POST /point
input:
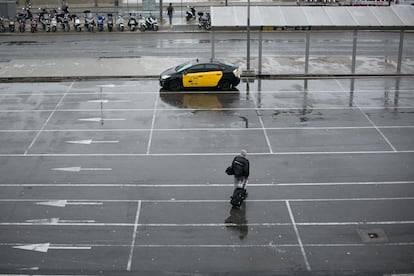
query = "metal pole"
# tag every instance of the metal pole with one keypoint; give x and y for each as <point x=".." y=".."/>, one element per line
<point x="307" y="46"/>
<point x="400" y="51"/>
<point x="248" y="35"/>
<point x="260" y="51"/>
<point x="354" y="49"/>
<point x="213" y="42"/>
<point x="160" y="11"/>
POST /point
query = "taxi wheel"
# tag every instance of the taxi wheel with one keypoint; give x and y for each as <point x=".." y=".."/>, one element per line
<point x="225" y="84"/>
<point x="175" y="85"/>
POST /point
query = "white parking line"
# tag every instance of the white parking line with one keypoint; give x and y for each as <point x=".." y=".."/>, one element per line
<point x="134" y="235"/>
<point x="378" y="130"/>
<point x="152" y="126"/>
<point x="308" y="153"/>
<point x="143" y="185"/>
<point x="48" y="119"/>
<point x="302" y="249"/>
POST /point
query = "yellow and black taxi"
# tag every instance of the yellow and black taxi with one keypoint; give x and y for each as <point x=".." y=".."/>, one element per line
<point x="201" y="74"/>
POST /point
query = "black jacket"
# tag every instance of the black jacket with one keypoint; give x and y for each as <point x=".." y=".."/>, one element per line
<point x="241" y="166"/>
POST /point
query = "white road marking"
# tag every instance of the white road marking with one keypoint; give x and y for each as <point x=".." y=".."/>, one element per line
<point x="48" y="119"/>
<point x="134" y="235"/>
<point x="302" y="248"/>
<point x="293" y="184"/>
<point x="64" y="203"/>
<point x="98" y="119"/>
<point x="90" y="141"/>
<point x="152" y="125"/>
<point x="207" y="225"/>
<point x="56" y="221"/>
<point x="377" y="128"/>
<point x="45" y="247"/>
<point x="208" y="128"/>
<point x="78" y="169"/>
<point x="108" y="101"/>
<point x="203" y="154"/>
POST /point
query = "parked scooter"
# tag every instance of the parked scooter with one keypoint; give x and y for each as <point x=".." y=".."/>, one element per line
<point x="132" y="23"/>
<point x="2" y="27"/>
<point x="64" y="21"/>
<point x="22" y="24"/>
<point x="89" y="21"/>
<point x="142" y="23"/>
<point x="190" y="14"/>
<point x="204" y="20"/>
<point x="110" y="23"/>
<point x="76" y="23"/>
<point x="45" y="20"/>
<point x="120" y="23"/>
<point x="100" y="22"/>
<point x="53" y="23"/>
<point x="12" y="26"/>
<point x="148" y="23"/>
<point x="33" y="25"/>
<point x="22" y="17"/>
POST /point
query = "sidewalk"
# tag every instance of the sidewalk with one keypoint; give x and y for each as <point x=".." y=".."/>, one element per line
<point x="58" y="68"/>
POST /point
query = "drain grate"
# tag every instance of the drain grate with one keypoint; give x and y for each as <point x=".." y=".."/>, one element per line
<point x="376" y="235"/>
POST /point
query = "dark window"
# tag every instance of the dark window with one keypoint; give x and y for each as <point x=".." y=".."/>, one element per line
<point x="213" y="67"/>
<point x="196" y="68"/>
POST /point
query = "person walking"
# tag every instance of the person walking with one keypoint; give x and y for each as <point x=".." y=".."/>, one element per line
<point x="170" y="13"/>
<point x="241" y="168"/>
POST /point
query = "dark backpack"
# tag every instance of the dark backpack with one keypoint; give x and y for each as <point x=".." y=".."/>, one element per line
<point x="238" y="166"/>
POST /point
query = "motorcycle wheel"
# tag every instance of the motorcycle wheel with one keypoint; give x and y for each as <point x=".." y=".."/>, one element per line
<point x="22" y="29"/>
<point x="207" y="26"/>
<point x="155" y="27"/>
<point x="142" y="28"/>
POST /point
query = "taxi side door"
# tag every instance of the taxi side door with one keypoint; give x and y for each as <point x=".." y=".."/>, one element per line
<point x="193" y="77"/>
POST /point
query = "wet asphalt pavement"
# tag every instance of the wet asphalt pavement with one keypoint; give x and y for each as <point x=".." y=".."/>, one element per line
<point x="119" y="178"/>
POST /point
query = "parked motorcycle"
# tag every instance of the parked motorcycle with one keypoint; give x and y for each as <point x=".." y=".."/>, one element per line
<point x="2" y="27"/>
<point x="22" y="17"/>
<point x="89" y="21"/>
<point x="64" y="21"/>
<point x="204" y="20"/>
<point x="142" y="23"/>
<point x="190" y="14"/>
<point x="132" y="23"/>
<point x="22" y="24"/>
<point x="100" y="22"/>
<point x="53" y="23"/>
<point x="110" y="23"/>
<point x="76" y="23"/>
<point x="12" y="25"/>
<point x="33" y="25"/>
<point x="149" y="23"/>
<point x="45" y="20"/>
<point x="120" y="23"/>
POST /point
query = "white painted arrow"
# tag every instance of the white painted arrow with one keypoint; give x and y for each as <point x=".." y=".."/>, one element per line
<point x="90" y="141"/>
<point x="44" y="247"/>
<point x="108" y="101"/>
<point x="78" y="169"/>
<point x="53" y="221"/>
<point x="98" y="119"/>
<point x="34" y="268"/>
<point x="63" y="203"/>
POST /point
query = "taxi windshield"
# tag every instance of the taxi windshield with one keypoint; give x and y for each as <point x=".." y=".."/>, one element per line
<point x="184" y="66"/>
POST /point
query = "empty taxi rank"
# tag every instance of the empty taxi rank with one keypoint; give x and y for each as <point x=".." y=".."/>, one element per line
<point x="118" y="177"/>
